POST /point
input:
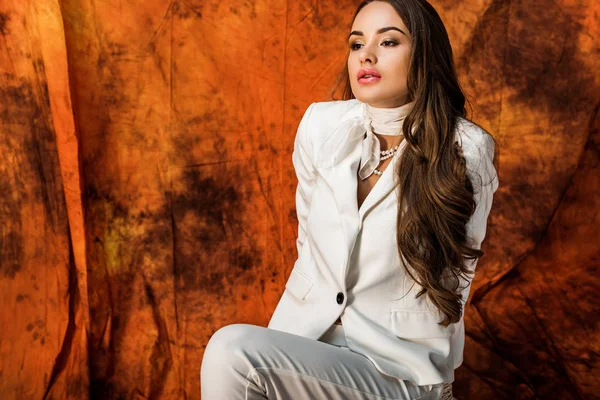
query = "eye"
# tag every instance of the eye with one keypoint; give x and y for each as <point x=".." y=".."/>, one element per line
<point x="353" y="46"/>
<point x="386" y="43"/>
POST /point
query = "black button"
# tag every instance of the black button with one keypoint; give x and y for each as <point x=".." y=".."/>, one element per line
<point x="340" y="298"/>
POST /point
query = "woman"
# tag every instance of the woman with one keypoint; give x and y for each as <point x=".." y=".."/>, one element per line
<point x="373" y="307"/>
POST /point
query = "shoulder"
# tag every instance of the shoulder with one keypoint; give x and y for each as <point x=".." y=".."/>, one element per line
<point x="478" y="147"/>
<point x="473" y="139"/>
<point x="322" y="117"/>
<point x="330" y="112"/>
<point x="469" y="134"/>
<point x="334" y="107"/>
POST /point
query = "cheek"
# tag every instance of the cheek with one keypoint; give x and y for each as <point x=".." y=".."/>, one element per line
<point x="402" y="62"/>
<point x="398" y="70"/>
<point x="352" y="67"/>
<point x="351" y="61"/>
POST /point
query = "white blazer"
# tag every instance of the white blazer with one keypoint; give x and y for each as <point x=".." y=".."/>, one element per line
<point x="348" y="265"/>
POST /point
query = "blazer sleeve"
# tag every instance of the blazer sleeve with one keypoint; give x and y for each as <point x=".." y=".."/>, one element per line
<point x="479" y="157"/>
<point x="306" y="174"/>
<point x="480" y="167"/>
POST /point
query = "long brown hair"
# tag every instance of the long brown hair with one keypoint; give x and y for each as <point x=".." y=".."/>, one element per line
<point x="435" y="194"/>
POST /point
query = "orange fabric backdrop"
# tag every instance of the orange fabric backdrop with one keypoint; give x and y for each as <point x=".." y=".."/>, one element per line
<point x="148" y="190"/>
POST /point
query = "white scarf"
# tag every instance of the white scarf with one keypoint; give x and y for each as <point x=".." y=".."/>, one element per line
<point x="385" y="121"/>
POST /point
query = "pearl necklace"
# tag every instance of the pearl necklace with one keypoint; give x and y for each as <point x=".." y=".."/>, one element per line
<point x="385" y="121"/>
<point x="385" y="154"/>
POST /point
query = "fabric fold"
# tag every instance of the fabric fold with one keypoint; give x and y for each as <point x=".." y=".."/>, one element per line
<point x="363" y="128"/>
<point x="384" y="121"/>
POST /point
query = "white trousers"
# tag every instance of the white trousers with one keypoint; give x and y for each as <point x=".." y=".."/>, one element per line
<point x="243" y="361"/>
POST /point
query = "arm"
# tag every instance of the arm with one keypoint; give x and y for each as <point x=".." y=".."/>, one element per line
<point x="481" y="170"/>
<point x="479" y="158"/>
<point x="306" y="174"/>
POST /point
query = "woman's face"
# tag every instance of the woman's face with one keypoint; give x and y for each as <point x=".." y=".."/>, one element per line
<point x="376" y="42"/>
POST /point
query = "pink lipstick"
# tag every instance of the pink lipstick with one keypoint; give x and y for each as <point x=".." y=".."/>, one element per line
<point x="368" y="75"/>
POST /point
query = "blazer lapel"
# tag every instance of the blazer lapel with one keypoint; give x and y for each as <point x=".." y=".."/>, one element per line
<point x="341" y="178"/>
<point x="338" y="160"/>
<point x="386" y="183"/>
<point x="337" y="163"/>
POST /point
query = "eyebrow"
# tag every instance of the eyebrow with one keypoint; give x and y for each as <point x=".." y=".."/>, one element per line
<point x="381" y="30"/>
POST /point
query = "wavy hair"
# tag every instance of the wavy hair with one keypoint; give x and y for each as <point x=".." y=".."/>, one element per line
<point x="435" y="194"/>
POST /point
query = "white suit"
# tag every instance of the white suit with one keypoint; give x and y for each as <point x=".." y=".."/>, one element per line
<point x="348" y="264"/>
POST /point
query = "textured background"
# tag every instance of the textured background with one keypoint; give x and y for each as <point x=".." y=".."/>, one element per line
<point x="147" y="188"/>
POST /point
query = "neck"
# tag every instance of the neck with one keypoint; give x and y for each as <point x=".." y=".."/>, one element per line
<point x="387" y="121"/>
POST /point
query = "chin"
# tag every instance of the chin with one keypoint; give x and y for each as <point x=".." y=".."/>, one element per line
<point x="370" y="98"/>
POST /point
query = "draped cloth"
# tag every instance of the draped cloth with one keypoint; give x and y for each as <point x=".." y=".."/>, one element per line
<point x="360" y="131"/>
<point x="384" y="121"/>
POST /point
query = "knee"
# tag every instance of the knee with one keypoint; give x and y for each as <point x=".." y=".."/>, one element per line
<point x="228" y="359"/>
<point x="228" y="337"/>
<point x="225" y="343"/>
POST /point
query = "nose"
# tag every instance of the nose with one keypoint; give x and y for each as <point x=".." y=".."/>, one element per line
<point x="367" y="54"/>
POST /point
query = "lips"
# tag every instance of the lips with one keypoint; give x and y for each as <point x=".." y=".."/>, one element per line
<point x="368" y="72"/>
